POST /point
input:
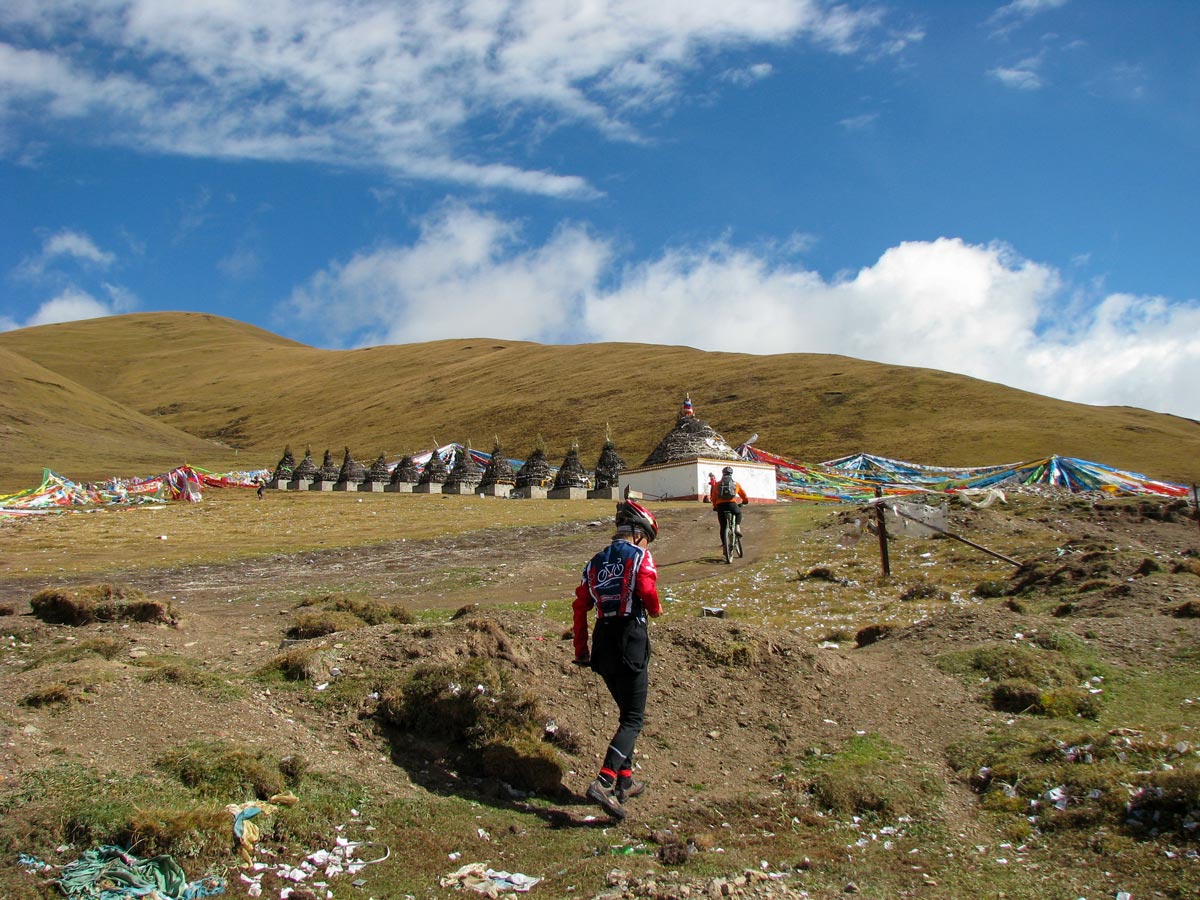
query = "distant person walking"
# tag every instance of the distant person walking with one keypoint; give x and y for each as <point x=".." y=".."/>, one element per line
<point x="262" y="486"/>
<point x="620" y="583"/>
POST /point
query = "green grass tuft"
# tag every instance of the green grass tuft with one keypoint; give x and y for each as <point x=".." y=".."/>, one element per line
<point x="98" y="603"/>
<point x="867" y="776"/>
<point x="476" y="712"/>
<point x="216" y="769"/>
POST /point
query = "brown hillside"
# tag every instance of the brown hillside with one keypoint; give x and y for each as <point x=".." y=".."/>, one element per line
<point x="230" y="382"/>
<point x="48" y="420"/>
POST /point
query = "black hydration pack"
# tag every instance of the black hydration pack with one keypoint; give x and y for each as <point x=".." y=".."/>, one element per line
<point x="726" y="489"/>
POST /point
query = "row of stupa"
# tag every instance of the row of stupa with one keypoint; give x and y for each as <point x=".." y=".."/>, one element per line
<point x="464" y="475"/>
<point x="679" y="467"/>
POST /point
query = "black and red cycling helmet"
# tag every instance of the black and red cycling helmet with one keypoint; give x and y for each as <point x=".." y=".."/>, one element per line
<point x="634" y="515"/>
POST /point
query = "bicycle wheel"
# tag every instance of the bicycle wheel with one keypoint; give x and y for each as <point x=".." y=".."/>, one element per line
<point x="728" y="538"/>
<point x="737" y="543"/>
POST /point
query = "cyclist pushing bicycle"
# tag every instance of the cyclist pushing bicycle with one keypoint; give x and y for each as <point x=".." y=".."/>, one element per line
<point x="728" y="497"/>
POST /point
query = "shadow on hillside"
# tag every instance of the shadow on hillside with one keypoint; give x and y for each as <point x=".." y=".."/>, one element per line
<point x="441" y="772"/>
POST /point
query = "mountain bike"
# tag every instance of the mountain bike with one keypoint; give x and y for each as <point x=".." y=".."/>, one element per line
<point x="731" y="541"/>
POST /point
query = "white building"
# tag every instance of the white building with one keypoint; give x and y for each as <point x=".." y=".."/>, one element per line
<point x="687" y="479"/>
<point x="688" y="458"/>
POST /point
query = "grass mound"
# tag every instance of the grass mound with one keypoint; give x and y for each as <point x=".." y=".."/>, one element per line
<point x="477" y="714"/>
<point x="330" y="613"/>
<point x="69" y="803"/>
<point x="98" y="603"/>
<point x="186" y="673"/>
<point x="58" y="693"/>
<point x="867" y="776"/>
<point x="190" y="831"/>
<point x="220" y="770"/>
<point x="1048" y="675"/>
<point x="322" y="622"/>
<point x="103" y="647"/>
<point x="300" y="664"/>
<point x="728" y="649"/>
<point x="1068" y="779"/>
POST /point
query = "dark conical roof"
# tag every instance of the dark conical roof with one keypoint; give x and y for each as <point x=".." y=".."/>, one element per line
<point x="609" y="466"/>
<point x="434" y="471"/>
<point x="571" y="473"/>
<point x="283" y="468"/>
<point x="378" y="473"/>
<point x="328" y="471"/>
<point x="499" y="470"/>
<point x="351" y="472"/>
<point x="307" y="468"/>
<point x="536" y="472"/>
<point x="689" y="439"/>
<point x="406" y="471"/>
<point x="465" y="470"/>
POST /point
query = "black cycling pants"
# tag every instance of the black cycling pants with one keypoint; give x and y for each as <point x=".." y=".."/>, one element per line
<point x="725" y="510"/>
<point x="621" y="656"/>
<point x="629" y="689"/>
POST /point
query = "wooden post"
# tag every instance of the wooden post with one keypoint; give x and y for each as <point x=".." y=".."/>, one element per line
<point x="881" y="528"/>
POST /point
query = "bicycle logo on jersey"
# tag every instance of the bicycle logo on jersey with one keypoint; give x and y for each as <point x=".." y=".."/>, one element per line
<point x="610" y="571"/>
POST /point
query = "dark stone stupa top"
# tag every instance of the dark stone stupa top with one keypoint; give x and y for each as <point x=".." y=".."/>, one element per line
<point x="689" y="439"/>
<point x="536" y="472"/>
<point x="378" y="473"/>
<point x="328" y="471"/>
<point x="498" y="470"/>
<point x="351" y="472"/>
<point x="571" y="473"/>
<point x="283" y="468"/>
<point x="307" y="470"/>
<point x="608" y="467"/>
<point x="406" y="472"/>
<point x="465" y="470"/>
<point x="434" y="471"/>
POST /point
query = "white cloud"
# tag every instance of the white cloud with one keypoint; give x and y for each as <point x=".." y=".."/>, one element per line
<point x="1018" y="12"/>
<point x="76" y="245"/>
<point x="1024" y="76"/>
<point x="468" y="274"/>
<point x="73" y="304"/>
<point x="69" y="245"/>
<point x="1017" y="78"/>
<point x="748" y="75"/>
<point x="1121" y="81"/>
<point x="241" y="264"/>
<point x="70" y="306"/>
<point x="944" y="304"/>
<point x="380" y="83"/>
<point x="860" y="122"/>
<point x="120" y="298"/>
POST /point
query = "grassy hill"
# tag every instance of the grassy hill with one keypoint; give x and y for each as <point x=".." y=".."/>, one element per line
<point x="134" y="394"/>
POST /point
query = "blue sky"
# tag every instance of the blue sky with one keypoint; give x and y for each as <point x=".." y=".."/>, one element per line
<point x="1005" y="190"/>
